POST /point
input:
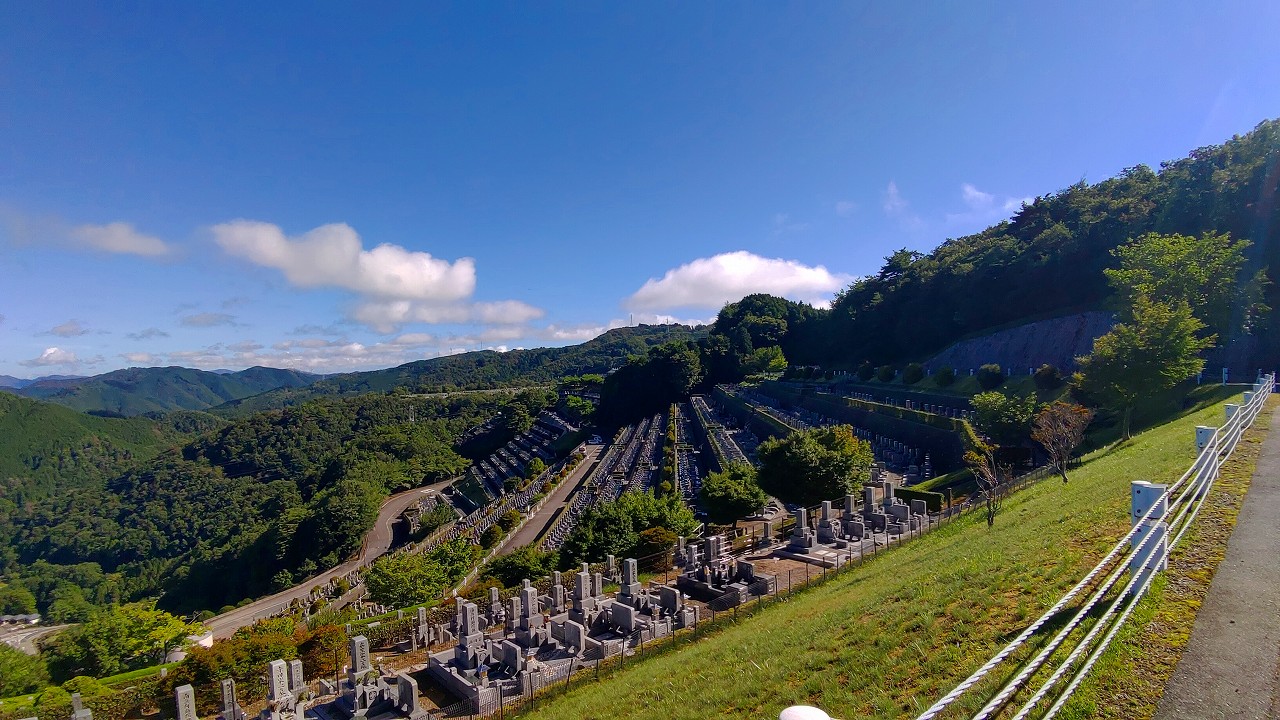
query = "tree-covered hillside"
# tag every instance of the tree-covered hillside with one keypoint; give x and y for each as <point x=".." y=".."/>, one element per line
<point x="135" y="391"/>
<point x="45" y="448"/>
<point x="240" y="510"/>
<point x="1048" y="259"/>
<point x="480" y="369"/>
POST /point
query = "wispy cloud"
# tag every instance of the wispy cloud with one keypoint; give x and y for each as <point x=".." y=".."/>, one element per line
<point x="140" y="358"/>
<point x="897" y="207"/>
<point x="845" y="208"/>
<point x="57" y="357"/>
<point x="208" y="319"/>
<point x="983" y="208"/>
<point x="70" y="328"/>
<point x="713" y="281"/>
<point x="120" y="237"/>
<point x="783" y="224"/>
<point x="147" y="334"/>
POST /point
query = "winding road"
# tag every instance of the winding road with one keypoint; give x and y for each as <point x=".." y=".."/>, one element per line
<point x="376" y="543"/>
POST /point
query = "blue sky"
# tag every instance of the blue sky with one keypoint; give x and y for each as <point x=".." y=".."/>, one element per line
<point x="216" y="186"/>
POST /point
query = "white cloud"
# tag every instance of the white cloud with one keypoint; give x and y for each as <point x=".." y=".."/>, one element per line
<point x="141" y="358"/>
<point x="57" y="357"/>
<point x="70" y="328"/>
<point x="975" y="198"/>
<point x="119" y="237"/>
<point x="208" y="319"/>
<point x="147" y="334"/>
<point x="728" y="277"/>
<point x="897" y="207"/>
<point x="845" y="208"/>
<point x="893" y="202"/>
<point x="334" y="256"/>
<point x="388" y="316"/>
<point x="984" y="208"/>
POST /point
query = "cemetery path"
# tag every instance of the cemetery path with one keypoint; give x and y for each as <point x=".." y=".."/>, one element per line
<point x="376" y="543"/>
<point x="540" y="523"/>
<point x="1231" y="665"/>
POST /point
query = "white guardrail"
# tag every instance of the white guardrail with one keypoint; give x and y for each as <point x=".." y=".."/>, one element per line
<point x="1159" y="512"/>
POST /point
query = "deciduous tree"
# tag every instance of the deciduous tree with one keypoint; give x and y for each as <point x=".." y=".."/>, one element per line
<point x="1157" y="348"/>
<point x="731" y="494"/>
<point x="1060" y="429"/>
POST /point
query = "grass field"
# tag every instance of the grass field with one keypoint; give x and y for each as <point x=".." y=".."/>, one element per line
<point x="888" y="638"/>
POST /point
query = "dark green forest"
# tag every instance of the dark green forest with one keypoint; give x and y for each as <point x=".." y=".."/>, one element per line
<point x="239" y="511"/>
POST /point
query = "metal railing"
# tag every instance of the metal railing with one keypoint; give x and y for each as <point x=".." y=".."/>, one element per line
<point x="1159" y="513"/>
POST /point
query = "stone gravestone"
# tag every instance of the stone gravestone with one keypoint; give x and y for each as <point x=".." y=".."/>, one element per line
<point x="296" y="679"/>
<point x="78" y="710"/>
<point x="358" y="648"/>
<point x="185" y="695"/>
<point x="277" y="681"/>
<point x="231" y="709"/>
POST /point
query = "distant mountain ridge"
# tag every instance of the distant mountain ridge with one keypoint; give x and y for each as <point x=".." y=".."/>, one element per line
<point x="136" y="391"/>
<point x="477" y="369"/>
<point x="9" y="381"/>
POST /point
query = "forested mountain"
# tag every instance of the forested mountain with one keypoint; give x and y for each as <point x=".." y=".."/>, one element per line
<point x="45" y="448"/>
<point x="135" y="391"/>
<point x="1048" y="260"/>
<point x="480" y="369"/>
<point x="238" y="511"/>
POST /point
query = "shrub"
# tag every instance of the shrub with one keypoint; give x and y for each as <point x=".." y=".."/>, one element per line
<point x="945" y="376"/>
<point x="1048" y="377"/>
<point x="509" y="520"/>
<point x="866" y="371"/>
<point x="990" y="376"/>
<point x="490" y="537"/>
<point x="913" y="373"/>
<point x="885" y="373"/>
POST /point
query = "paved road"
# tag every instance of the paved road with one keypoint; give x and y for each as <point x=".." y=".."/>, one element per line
<point x="1231" y="665"/>
<point x="540" y="523"/>
<point x="24" y="637"/>
<point x="376" y="543"/>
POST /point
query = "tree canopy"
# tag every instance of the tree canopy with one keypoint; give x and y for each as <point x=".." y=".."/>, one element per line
<point x="731" y="494"/>
<point x="1156" y="348"/>
<point x="810" y="466"/>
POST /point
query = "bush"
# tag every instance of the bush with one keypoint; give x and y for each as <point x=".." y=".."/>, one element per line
<point x="1048" y="377"/>
<point x="491" y="537"/>
<point x="913" y="373"/>
<point x="990" y="376"/>
<point x="885" y="373"/>
<point x="945" y="376"/>
<point x="509" y="520"/>
<point x="866" y="371"/>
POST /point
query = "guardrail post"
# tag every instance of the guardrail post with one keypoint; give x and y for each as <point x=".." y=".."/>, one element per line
<point x="1204" y="434"/>
<point x="1230" y="409"/>
<point x="1248" y="397"/>
<point x="1151" y="497"/>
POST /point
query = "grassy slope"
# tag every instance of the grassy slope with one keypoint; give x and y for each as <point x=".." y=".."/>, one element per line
<point x="889" y="638"/>
<point x="1129" y="678"/>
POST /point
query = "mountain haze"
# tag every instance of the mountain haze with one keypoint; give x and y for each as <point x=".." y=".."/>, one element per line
<point x="135" y="391"/>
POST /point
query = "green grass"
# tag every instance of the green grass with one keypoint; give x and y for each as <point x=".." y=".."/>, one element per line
<point x="890" y="637"/>
<point x="125" y="677"/>
<point x="1130" y="676"/>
